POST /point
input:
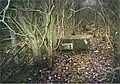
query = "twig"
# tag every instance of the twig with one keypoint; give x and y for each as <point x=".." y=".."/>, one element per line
<point x="90" y="9"/>
<point x="12" y="29"/>
<point x="3" y="18"/>
<point x="29" y="10"/>
<point x="5" y="9"/>
<point x="2" y="61"/>
<point x="78" y="9"/>
<point x="17" y="24"/>
<point x="118" y="68"/>
<point x="8" y="75"/>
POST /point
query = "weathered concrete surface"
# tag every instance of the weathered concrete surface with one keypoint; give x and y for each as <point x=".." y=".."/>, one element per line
<point x="80" y="42"/>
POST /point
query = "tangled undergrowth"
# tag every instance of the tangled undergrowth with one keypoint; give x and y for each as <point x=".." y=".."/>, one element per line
<point x="96" y="66"/>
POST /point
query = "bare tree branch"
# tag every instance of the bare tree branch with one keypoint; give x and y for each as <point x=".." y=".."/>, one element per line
<point x="3" y="19"/>
<point x="5" y="9"/>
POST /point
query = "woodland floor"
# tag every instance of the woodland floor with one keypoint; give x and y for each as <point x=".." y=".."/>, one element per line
<point x="78" y="68"/>
<point x="95" y="66"/>
<point x="92" y="67"/>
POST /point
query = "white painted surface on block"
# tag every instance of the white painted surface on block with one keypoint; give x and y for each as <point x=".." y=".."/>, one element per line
<point x="67" y="46"/>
